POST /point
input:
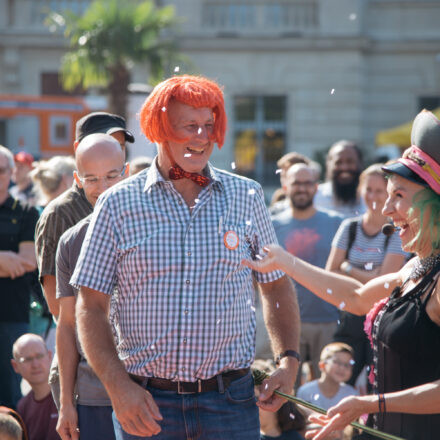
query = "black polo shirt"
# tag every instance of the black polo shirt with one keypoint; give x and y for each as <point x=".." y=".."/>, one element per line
<point x="17" y="224"/>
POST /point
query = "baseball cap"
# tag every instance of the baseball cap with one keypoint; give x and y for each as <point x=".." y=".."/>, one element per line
<point x="101" y="122"/>
<point x="24" y="157"/>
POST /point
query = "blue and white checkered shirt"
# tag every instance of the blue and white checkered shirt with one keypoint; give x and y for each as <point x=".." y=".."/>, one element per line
<point x="185" y="305"/>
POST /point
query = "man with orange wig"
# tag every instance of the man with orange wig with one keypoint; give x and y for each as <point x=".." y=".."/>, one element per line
<point x="168" y="245"/>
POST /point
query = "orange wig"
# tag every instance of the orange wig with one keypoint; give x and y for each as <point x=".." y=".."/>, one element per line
<point x="195" y="91"/>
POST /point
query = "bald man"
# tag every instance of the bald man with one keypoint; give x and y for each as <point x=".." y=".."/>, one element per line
<point x="101" y="165"/>
<point x="31" y="359"/>
<point x="71" y="206"/>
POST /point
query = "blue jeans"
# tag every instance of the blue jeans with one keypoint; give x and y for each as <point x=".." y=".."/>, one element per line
<point x="231" y="415"/>
<point x="95" y="422"/>
<point x="10" y="392"/>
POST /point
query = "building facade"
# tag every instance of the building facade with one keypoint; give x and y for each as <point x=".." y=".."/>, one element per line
<point x="298" y="74"/>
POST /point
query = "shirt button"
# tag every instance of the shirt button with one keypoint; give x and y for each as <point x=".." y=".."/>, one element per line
<point x="183" y="368"/>
<point x="187" y="281"/>
<point x="180" y="202"/>
<point x="186" y="311"/>
<point x="184" y="340"/>
<point x="188" y="253"/>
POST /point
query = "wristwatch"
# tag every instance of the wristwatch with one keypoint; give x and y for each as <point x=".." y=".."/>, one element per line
<point x="291" y="353"/>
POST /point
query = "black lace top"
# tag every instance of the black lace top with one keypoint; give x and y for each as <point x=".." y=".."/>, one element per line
<point x="406" y="354"/>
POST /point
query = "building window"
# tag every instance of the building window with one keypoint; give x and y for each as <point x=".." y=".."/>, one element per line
<point x="259" y="136"/>
<point x="60" y="129"/>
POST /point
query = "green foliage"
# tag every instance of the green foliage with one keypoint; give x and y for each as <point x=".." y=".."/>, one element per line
<point x="112" y="35"/>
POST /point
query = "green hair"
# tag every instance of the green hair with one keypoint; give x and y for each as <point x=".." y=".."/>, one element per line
<point x="427" y="203"/>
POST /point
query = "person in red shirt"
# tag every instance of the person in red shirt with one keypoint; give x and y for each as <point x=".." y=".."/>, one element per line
<point x="31" y="359"/>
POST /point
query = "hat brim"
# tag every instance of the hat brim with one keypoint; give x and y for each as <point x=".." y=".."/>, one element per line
<point x="403" y="171"/>
<point x="128" y="136"/>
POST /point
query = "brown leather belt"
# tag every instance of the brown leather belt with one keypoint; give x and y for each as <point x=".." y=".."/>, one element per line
<point x="215" y="383"/>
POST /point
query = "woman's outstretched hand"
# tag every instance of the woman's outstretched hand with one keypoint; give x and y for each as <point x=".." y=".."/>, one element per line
<point x="276" y="258"/>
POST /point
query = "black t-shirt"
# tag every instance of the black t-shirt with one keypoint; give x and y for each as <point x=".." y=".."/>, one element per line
<point x="17" y="224"/>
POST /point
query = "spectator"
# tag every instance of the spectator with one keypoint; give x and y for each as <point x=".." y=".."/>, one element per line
<point x="169" y="240"/>
<point x="8" y="416"/>
<point x="336" y="365"/>
<point x="307" y="232"/>
<point x="340" y="192"/>
<point x="279" y="201"/>
<point x="10" y="429"/>
<point x="17" y="260"/>
<point x="70" y="207"/>
<point x="361" y="251"/>
<point x="31" y="359"/>
<point x="139" y="164"/>
<point x="284" y="424"/>
<point x="23" y="190"/>
<point x="52" y="177"/>
<point x="99" y="158"/>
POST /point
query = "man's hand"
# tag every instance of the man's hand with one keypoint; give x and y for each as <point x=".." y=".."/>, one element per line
<point x="13" y="265"/>
<point x="67" y="426"/>
<point x="135" y="410"/>
<point x="281" y="379"/>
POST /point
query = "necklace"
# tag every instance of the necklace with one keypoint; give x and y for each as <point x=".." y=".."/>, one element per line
<point x="423" y="266"/>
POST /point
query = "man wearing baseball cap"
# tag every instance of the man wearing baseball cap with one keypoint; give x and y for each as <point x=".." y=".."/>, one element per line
<point x="71" y="206"/>
<point x="102" y="122"/>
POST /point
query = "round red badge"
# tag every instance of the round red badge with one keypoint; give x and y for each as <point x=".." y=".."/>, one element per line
<point x="231" y="240"/>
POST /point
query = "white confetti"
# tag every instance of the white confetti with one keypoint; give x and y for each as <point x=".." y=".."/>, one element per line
<point x="278" y="305"/>
<point x="339" y="322"/>
<point x="292" y="416"/>
<point x="218" y="321"/>
<point x="266" y="386"/>
<point x="153" y="347"/>
<point x="251" y="192"/>
<point x="329" y="291"/>
<point x="187" y="155"/>
<point x="199" y="130"/>
<point x="176" y="69"/>
<point x="368" y="266"/>
<point x="352" y="362"/>
<point x="278" y="171"/>
<point x="197" y="200"/>
<point x="253" y="308"/>
<point x="316" y="397"/>
<point x="332" y="91"/>
<point x="248" y="222"/>
<point x="352" y="17"/>
<point x="386" y="285"/>
<point x="259" y="257"/>
<point x="164" y="109"/>
<point x="248" y="302"/>
<point x="233" y="165"/>
<point x="374" y="206"/>
<point x="342" y="305"/>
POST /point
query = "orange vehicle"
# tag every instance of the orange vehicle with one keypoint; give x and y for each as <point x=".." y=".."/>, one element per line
<point x="42" y="125"/>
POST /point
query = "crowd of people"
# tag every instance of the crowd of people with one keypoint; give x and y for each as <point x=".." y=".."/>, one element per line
<point x="164" y="279"/>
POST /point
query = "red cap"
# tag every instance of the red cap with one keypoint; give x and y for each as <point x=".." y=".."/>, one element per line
<point x="23" y="157"/>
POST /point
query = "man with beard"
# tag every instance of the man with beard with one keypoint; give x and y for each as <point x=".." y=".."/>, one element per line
<point x="339" y="192"/>
<point x="307" y="233"/>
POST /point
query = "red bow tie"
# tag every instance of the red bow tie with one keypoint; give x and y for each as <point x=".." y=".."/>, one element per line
<point x="177" y="173"/>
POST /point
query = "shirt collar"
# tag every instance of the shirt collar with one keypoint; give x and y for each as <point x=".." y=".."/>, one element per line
<point x="80" y="192"/>
<point x="154" y="176"/>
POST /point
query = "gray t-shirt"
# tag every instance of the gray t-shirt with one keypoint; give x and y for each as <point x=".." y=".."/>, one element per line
<point x="310" y="240"/>
<point x="310" y="392"/>
<point x="89" y="389"/>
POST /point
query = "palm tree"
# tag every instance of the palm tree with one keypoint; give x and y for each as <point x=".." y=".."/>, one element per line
<point x="108" y="39"/>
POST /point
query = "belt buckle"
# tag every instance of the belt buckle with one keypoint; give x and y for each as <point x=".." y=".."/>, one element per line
<point x="181" y="391"/>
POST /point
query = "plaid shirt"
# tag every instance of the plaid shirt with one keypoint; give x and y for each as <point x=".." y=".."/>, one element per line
<point x="185" y="305"/>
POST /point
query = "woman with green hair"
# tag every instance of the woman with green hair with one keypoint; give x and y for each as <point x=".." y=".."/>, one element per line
<point x="403" y="321"/>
